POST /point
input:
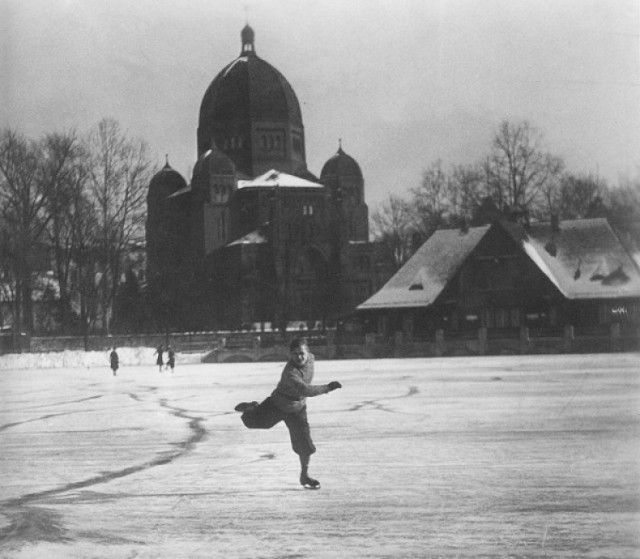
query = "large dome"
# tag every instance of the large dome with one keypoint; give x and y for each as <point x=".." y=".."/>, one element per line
<point x="250" y="87"/>
<point x="247" y="96"/>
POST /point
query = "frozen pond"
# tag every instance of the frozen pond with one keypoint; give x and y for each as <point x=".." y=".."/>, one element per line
<point x="532" y="456"/>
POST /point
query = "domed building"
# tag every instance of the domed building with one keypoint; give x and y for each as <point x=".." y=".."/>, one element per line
<point x="261" y="239"/>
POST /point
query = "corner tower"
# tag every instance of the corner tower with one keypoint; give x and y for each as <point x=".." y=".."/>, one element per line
<point x="251" y="113"/>
<point x="342" y="176"/>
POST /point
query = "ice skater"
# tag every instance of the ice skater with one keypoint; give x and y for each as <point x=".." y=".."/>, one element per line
<point x="171" y="359"/>
<point x="288" y="403"/>
<point x="159" y="360"/>
<point x="115" y="360"/>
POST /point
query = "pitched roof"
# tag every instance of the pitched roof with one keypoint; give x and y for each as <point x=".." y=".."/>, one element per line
<point x="584" y="259"/>
<point x="275" y="178"/>
<point x="427" y="272"/>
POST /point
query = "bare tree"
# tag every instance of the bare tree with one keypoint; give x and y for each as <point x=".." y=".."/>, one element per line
<point x="577" y="195"/>
<point x="119" y="173"/>
<point x="22" y="197"/>
<point x="64" y="171"/>
<point x="623" y="204"/>
<point x="431" y="201"/>
<point x="518" y="170"/>
<point x="392" y="225"/>
<point x="467" y="190"/>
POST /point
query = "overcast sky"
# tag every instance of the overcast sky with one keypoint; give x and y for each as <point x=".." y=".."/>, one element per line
<point x="402" y="82"/>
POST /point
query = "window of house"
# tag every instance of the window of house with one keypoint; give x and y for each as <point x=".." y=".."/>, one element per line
<point x="362" y="290"/>
<point x="489" y="321"/>
<point x="515" y="317"/>
<point x="451" y="321"/>
<point x="617" y="312"/>
<point x="537" y="317"/>
<point x="502" y="317"/>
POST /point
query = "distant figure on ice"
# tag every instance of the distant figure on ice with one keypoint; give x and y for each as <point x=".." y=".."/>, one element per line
<point x="171" y="358"/>
<point x="288" y="403"/>
<point x="159" y="360"/>
<point x="115" y="361"/>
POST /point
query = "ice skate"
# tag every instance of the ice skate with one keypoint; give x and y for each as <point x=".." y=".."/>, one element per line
<point x="309" y="483"/>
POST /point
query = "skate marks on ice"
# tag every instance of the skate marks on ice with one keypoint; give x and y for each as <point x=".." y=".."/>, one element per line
<point x="377" y="403"/>
<point x="48" y="416"/>
<point x="28" y="522"/>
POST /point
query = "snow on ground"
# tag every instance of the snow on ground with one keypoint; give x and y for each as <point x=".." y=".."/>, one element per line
<point x="72" y="359"/>
<point x="528" y="456"/>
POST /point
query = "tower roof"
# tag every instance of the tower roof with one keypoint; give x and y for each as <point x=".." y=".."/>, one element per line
<point x="248" y="37"/>
<point x="341" y="165"/>
<point x="167" y="180"/>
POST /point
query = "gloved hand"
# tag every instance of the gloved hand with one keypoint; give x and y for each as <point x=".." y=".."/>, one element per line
<point x="334" y="385"/>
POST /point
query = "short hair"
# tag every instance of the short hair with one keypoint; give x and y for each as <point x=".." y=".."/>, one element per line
<point x="297" y="343"/>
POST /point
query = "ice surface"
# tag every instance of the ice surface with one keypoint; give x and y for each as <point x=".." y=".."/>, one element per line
<point x="532" y="456"/>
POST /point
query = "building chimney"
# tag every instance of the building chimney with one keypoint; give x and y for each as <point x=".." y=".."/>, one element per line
<point x="555" y="223"/>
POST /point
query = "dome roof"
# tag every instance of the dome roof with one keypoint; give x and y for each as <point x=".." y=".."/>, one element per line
<point x="167" y="180"/>
<point x="249" y="88"/>
<point x="220" y="163"/>
<point x="341" y="165"/>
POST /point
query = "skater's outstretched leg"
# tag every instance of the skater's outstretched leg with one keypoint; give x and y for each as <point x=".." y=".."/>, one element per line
<point x="259" y="416"/>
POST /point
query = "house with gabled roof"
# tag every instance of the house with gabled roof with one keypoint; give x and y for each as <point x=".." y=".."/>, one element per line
<point x="508" y="275"/>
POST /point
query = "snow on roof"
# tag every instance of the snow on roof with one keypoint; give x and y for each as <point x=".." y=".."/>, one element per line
<point x="236" y="61"/>
<point x="584" y="258"/>
<point x="275" y="178"/>
<point x="253" y="238"/>
<point x="181" y="191"/>
<point x="427" y="272"/>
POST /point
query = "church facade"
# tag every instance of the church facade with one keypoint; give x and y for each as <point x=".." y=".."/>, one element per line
<point x="257" y="238"/>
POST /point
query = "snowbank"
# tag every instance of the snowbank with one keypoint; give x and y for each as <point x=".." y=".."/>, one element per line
<point x="70" y="359"/>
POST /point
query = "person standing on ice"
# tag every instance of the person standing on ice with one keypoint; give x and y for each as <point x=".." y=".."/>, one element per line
<point x="159" y="359"/>
<point x="115" y="360"/>
<point x="171" y="359"/>
<point x="288" y="403"/>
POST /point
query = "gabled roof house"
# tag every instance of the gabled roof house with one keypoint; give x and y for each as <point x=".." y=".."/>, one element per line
<point x="507" y="275"/>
